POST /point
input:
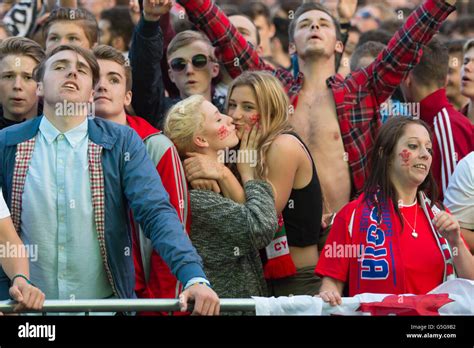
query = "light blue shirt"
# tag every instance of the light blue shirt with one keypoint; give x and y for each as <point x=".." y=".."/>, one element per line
<point x="57" y="215"/>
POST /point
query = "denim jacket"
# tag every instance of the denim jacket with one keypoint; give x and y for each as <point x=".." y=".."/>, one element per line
<point x="122" y="177"/>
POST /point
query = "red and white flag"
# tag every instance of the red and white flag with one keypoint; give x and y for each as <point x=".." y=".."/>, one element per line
<point x="454" y="297"/>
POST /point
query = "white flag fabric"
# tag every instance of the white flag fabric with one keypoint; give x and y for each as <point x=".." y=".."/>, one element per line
<point x="21" y="18"/>
<point x="454" y="297"/>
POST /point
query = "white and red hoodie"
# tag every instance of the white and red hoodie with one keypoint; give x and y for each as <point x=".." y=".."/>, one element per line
<point x="153" y="277"/>
<point x="453" y="136"/>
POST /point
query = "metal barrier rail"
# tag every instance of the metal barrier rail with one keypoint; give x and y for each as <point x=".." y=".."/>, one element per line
<point x="127" y="305"/>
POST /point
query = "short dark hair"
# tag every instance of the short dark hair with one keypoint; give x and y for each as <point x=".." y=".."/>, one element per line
<point x="446" y="28"/>
<point x="392" y="25"/>
<point x="109" y="53"/>
<point x="230" y="9"/>
<point x="259" y="40"/>
<point x="255" y="9"/>
<point x="310" y="6"/>
<point x="120" y="22"/>
<point x="23" y="47"/>
<point x="455" y="46"/>
<point x="378" y="35"/>
<point x="463" y="24"/>
<point x="281" y="31"/>
<point x="84" y="18"/>
<point x="39" y="71"/>
<point x="433" y="66"/>
<point x="368" y="49"/>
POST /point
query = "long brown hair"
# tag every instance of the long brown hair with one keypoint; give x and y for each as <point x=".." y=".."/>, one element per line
<point x="273" y="107"/>
<point x="381" y="157"/>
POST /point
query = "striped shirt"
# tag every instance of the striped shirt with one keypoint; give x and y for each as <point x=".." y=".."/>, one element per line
<point x="453" y="136"/>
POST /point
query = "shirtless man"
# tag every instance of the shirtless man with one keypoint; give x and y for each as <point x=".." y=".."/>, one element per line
<point x="337" y="118"/>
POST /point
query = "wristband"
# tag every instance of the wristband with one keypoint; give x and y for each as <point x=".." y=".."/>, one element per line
<point x="203" y="283"/>
<point x="22" y="276"/>
<point x="345" y="25"/>
<point x="196" y="280"/>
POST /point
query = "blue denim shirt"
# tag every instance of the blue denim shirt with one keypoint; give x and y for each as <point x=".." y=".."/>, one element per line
<point x="131" y="181"/>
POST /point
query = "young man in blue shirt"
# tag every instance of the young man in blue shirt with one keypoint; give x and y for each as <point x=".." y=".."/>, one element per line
<point x="69" y="181"/>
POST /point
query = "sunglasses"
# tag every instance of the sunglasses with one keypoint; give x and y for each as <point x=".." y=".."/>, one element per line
<point x="199" y="61"/>
<point x="367" y="15"/>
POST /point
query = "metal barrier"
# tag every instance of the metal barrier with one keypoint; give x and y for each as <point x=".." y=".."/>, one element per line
<point x="127" y="305"/>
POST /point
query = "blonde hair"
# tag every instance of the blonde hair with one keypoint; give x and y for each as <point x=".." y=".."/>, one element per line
<point x="182" y="122"/>
<point x="273" y="106"/>
<point x="188" y="37"/>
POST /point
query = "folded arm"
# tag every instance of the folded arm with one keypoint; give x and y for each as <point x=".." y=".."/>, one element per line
<point x="255" y="221"/>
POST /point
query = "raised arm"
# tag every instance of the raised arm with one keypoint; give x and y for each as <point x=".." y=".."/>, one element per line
<point x="234" y="51"/>
<point x="403" y="51"/>
<point x="145" y="56"/>
<point x="345" y="11"/>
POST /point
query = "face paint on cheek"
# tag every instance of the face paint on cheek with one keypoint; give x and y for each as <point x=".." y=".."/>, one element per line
<point x="405" y="156"/>
<point x="254" y="118"/>
<point x="223" y="132"/>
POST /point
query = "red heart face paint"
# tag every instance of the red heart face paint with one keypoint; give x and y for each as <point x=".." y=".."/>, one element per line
<point x="405" y="156"/>
<point x="223" y="132"/>
<point x="254" y="118"/>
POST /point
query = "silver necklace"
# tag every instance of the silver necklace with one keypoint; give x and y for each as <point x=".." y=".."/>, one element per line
<point x="413" y="232"/>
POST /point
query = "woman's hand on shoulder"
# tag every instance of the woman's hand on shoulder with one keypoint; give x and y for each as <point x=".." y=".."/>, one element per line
<point x="199" y="166"/>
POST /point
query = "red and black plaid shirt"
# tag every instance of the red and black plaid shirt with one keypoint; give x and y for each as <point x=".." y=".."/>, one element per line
<point x="358" y="96"/>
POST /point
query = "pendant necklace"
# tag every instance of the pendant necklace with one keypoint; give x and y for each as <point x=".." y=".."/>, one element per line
<point x="413" y="232"/>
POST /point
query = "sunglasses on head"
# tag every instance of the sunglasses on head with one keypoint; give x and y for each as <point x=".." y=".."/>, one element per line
<point x="199" y="61"/>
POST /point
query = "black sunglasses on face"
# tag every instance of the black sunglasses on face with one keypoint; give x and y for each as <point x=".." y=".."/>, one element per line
<point x="199" y="61"/>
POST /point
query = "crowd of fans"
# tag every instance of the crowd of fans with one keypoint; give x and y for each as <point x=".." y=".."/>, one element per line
<point x="198" y="149"/>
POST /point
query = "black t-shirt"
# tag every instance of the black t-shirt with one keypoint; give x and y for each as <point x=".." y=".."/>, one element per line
<point x="4" y="123"/>
<point x="7" y="123"/>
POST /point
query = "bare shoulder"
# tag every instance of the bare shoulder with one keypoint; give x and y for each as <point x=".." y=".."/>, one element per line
<point x="286" y="141"/>
<point x="286" y="144"/>
<point x="284" y="150"/>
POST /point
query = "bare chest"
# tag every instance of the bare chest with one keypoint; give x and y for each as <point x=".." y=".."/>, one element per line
<point x="315" y="120"/>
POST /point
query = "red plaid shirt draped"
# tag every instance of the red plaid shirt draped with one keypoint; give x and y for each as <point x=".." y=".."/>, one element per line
<point x="359" y="96"/>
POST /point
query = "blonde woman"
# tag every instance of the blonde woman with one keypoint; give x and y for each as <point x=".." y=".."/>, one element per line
<point x="227" y="234"/>
<point x="284" y="161"/>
